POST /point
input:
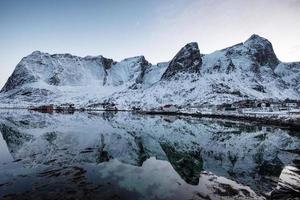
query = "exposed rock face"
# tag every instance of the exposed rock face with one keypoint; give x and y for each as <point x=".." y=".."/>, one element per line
<point x="290" y="73"/>
<point x="187" y="60"/>
<point x="129" y="72"/>
<point x="106" y="62"/>
<point x="262" y="51"/>
<point x="54" y="80"/>
<point x="144" y="65"/>
<point x="19" y="77"/>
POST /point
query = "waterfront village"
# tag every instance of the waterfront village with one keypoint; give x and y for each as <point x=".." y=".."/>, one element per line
<point x="249" y="107"/>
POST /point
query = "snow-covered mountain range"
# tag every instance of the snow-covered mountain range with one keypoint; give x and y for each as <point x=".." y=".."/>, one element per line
<point x="248" y="70"/>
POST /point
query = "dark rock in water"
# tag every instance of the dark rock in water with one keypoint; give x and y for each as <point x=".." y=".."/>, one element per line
<point x="287" y="189"/>
<point x="187" y="60"/>
<point x="262" y="50"/>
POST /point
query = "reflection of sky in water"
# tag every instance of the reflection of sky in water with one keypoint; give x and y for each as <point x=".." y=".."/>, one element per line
<point x="159" y="175"/>
<point x="156" y="179"/>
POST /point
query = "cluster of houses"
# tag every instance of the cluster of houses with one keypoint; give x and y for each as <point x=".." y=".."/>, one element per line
<point x="244" y="106"/>
<point x="70" y="108"/>
<point x="108" y="106"/>
<point x="240" y="107"/>
<point x="63" y="108"/>
<point x="260" y="106"/>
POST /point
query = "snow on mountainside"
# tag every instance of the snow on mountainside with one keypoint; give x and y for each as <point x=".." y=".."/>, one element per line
<point x="248" y="70"/>
<point x="43" y="78"/>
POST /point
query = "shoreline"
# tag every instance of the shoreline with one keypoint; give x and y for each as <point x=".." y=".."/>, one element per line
<point x="293" y="124"/>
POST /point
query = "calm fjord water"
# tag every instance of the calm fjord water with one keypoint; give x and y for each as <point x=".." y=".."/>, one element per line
<point x="121" y="155"/>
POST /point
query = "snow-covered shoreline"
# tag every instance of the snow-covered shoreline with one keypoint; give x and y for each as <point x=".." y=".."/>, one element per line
<point x="292" y="121"/>
<point x="269" y="118"/>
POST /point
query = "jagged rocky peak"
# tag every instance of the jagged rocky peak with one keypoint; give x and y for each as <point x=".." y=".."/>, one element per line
<point x="143" y="60"/>
<point x="36" y="53"/>
<point x="187" y="60"/>
<point x="144" y="65"/>
<point x="137" y="59"/>
<point x="105" y="62"/>
<point x="262" y="50"/>
<point x="128" y="71"/>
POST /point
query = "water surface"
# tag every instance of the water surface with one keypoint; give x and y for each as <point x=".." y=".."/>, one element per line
<point x="109" y="155"/>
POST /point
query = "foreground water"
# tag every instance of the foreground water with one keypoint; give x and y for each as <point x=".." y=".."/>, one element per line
<point x="127" y="156"/>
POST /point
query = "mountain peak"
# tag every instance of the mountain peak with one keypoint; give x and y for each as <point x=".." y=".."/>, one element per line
<point x="262" y="50"/>
<point x="36" y="53"/>
<point x="257" y="40"/>
<point x="187" y="60"/>
<point x="192" y="44"/>
<point x="256" y="37"/>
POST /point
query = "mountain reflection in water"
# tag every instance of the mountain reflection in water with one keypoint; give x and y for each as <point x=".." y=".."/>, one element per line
<point x="109" y="155"/>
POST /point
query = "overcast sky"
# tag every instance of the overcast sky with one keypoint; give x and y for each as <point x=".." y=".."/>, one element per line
<point x="154" y="28"/>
